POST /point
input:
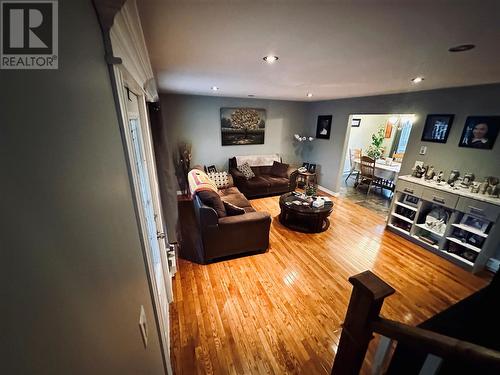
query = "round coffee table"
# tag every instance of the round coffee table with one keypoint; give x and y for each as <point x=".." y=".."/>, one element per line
<point x="304" y="217"/>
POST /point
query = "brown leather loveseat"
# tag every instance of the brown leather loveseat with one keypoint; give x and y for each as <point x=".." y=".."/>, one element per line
<point x="265" y="181"/>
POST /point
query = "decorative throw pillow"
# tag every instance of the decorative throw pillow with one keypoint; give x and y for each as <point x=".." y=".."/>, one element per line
<point x="279" y="169"/>
<point x="198" y="181"/>
<point x="212" y="199"/>
<point x="246" y="170"/>
<point x="220" y="178"/>
<point x="232" y="210"/>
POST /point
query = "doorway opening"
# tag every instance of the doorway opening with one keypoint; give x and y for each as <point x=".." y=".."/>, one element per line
<point x="375" y="152"/>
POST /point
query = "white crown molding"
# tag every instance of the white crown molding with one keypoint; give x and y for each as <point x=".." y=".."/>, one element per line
<point x="127" y="40"/>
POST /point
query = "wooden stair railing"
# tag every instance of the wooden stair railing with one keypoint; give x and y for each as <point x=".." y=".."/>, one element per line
<point x="362" y="320"/>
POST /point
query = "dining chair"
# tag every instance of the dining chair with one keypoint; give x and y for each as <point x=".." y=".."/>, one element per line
<point x="354" y="154"/>
<point x="367" y="173"/>
<point x="398" y="157"/>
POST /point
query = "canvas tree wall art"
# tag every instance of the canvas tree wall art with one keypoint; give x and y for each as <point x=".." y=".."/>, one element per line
<point x="242" y="126"/>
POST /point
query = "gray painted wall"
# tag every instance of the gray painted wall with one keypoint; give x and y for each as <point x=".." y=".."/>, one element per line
<point x="476" y="100"/>
<point x="72" y="270"/>
<point x="196" y="119"/>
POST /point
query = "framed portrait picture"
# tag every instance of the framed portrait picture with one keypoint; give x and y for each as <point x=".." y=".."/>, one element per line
<point x="410" y="200"/>
<point x="355" y="122"/>
<point x="211" y="169"/>
<point x="480" y="132"/>
<point x="324" y="127"/>
<point x="437" y="128"/>
<point x="311" y="168"/>
<point x="475" y="223"/>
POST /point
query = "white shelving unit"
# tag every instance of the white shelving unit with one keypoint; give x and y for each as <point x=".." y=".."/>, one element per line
<point x="436" y="247"/>
<point x="398" y="229"/>
<point x="470" y="229"/>
<point x="461" y="260"/>
<point x="406" y="206"/>
<point x="404" y="218"/>
<point x="464" y="244"/>
<point x="413" y="200"/>
<point x="424" y="227"/>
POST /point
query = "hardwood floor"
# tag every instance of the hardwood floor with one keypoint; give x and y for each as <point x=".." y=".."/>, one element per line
<point x="281" y="312"/>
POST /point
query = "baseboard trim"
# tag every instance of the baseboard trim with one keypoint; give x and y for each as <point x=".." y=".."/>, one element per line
<point x="332" y="193"/>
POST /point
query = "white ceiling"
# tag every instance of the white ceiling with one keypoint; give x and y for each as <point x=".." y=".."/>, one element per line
<point x="334" y="49"/>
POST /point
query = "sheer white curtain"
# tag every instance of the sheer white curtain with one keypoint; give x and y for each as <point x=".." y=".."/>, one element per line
<point x="128" y="43"/>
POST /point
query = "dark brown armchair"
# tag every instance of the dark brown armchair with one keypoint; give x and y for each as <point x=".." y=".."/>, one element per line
<point x="230" y="235"/>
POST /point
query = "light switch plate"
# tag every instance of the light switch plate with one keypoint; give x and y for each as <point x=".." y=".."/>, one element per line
<point x="423" y="150"/>
<point x="143" y="325"/>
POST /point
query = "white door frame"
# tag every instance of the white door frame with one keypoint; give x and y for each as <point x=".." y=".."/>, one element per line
<point x="123" y="79"/>
<point x="152" y="172"/>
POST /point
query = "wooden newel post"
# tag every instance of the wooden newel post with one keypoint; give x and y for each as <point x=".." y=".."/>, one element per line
<point x="367" y="297"/>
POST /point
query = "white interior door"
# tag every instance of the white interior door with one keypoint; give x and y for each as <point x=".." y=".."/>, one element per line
<point x="162" y="279"/>
<point x="141" y="157"/>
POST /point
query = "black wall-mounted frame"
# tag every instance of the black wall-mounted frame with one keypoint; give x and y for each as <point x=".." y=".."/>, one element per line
<point x="324" y="127"/>
<point x="437" y="128"/>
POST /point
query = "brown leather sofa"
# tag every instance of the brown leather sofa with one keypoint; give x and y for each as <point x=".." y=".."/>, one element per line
<point x="264" y="183"/>
<point x="231" y="235"/>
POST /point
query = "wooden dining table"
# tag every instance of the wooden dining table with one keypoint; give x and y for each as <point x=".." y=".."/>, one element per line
<point x="386" y="172"/>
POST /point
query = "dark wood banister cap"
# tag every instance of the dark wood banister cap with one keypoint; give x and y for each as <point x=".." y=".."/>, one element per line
<point x="369" y="283"/>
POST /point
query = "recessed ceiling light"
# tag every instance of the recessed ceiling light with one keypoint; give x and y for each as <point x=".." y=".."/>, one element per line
<point x="309" y="95"/>
<point x="462" y="48"/>
<point x="417" y="79"/>
<point x="214" y="88"/>
<point x="270" y="59"/>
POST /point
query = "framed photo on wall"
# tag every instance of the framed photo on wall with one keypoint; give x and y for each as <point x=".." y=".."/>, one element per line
<point x="480" y="132"/>
<point x="437" y="128"/>
<point x="475" y="223"/>
<point x="324" y="127"/>
<point x="355" y="122"/>
<point x="410" y="200"/>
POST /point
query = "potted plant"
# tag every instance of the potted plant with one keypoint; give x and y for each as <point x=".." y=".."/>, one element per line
<point x="311" y="190"/>
<point x="375" y="150"/>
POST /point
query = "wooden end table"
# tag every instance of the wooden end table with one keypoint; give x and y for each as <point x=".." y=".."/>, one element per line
<point x="306" y="178"/>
